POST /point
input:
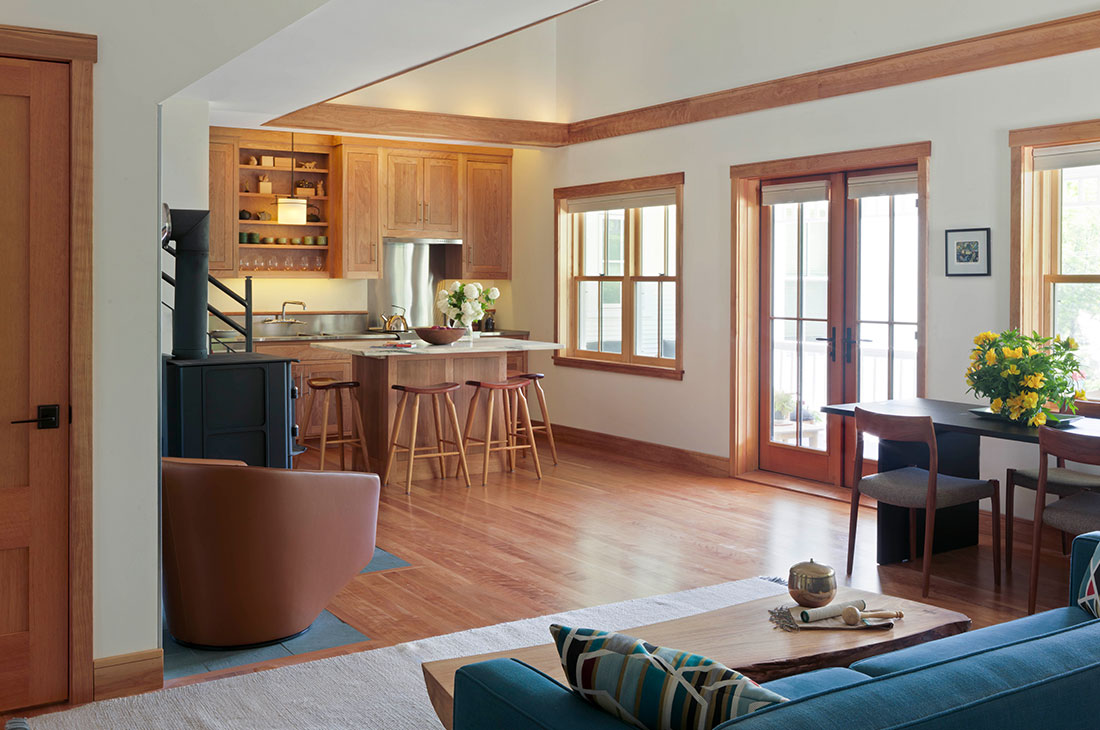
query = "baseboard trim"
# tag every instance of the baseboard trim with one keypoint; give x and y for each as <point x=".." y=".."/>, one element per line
<point x="128" y="674"/>
<point x="635" y="450"/>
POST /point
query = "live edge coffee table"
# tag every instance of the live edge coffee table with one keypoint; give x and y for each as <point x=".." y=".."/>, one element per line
<point x="741" y="637"/>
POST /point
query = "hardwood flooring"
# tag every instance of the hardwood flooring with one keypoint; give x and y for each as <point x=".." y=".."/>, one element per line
<point x="601" y="528"/>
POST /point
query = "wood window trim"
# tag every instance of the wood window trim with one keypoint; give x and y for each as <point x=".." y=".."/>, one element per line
<point x="564" y="258"/>
<point x="745" y="181"/>
<point x="80" y="52"/>
<point x="1034" y="224"/>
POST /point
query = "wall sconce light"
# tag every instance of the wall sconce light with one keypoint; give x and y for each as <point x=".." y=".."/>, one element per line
<point x="292" y="210"/>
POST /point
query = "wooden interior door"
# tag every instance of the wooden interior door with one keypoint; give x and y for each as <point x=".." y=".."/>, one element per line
<point x="442" y="197"/>
<point x="487" y="247"/>
<point x="801" y="316"/>
<point x="34" y="327"/>
<point x="404" y="192"/>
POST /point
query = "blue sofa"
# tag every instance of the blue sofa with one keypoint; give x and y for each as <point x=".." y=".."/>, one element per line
<point x="1035" y="672"/>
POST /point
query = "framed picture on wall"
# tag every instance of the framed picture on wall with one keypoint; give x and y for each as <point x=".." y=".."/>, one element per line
<point x="967" y="251"/>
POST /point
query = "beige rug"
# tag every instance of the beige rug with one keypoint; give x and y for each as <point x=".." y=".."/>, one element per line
<point x="382" y="688"/>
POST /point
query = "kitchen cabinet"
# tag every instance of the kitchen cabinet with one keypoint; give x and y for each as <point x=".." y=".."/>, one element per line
<point x="356" y="236"/>
<point x="517" y="360"/>
<point x="487" y="244"/>
<point x="314" y="363"/>
<point x="223" y="208"/>
<point x="423" y="194"/>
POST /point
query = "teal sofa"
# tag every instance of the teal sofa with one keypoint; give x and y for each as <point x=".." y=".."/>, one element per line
<point x="1035" y="672"/>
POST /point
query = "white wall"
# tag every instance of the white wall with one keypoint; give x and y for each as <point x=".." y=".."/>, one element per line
<point x="513" y="77"/>
<point x="148" y="51"/>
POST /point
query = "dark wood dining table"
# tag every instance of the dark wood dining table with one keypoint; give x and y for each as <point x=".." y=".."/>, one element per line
<point x="958" y="440"/>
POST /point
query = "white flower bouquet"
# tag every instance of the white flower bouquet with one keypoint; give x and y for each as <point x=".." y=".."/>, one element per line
<point x="464" y="304"/>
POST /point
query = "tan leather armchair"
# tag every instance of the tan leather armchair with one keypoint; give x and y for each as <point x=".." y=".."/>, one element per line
<point x="253" y="555"/>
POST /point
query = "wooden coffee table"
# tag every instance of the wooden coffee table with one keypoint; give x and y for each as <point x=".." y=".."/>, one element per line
<point x="741" y="637"/>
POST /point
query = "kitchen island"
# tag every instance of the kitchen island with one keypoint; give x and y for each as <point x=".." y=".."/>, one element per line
<point x="377" y="366"/>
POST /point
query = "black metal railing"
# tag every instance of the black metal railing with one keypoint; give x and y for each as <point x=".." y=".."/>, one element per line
<point x="245" y="301"/>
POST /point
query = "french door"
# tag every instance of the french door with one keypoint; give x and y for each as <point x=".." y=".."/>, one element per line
<point x="839" y="312"/>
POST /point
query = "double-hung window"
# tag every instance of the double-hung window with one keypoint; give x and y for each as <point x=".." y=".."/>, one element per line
<point x="619" y="275"/>
<point x="1058" y="292"/>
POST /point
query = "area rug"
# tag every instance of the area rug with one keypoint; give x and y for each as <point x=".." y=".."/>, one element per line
<point x="381" y="688"/>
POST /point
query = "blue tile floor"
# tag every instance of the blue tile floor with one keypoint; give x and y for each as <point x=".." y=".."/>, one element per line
<point x="327" y="632"/>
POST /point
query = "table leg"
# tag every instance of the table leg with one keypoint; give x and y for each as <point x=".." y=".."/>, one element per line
<point x="955" y="527"/>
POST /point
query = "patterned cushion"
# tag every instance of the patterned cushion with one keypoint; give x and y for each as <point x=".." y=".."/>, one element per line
<point x="1088" y="595"/>
<point x="653" y="687"/>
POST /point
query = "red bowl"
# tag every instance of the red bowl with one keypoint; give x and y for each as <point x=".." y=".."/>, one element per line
<point x="440" y="335"/>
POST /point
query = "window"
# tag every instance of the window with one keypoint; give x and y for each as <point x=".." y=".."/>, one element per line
<point x="1058" y="245"/>
<point x="619" y="278"/>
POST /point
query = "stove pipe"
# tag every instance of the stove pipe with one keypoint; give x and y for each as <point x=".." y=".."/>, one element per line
<point x="191" y="232"/>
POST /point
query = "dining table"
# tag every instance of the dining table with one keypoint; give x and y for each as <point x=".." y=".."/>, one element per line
<point x="959" y="431"/>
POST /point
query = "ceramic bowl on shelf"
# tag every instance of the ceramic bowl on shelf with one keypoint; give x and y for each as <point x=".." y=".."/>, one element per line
<point x="440" y="335"/>
<point x="296" y="241"/>
<point x="268" y="240"/>
<point x="282" y="241"/>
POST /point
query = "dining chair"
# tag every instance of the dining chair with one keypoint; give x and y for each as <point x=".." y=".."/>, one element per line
<point x="1060" y="481"/>
<point x="914" y="488"/>
<point x="1075" y="514"/>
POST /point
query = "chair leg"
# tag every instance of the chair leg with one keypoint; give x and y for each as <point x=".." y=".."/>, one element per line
<point x="397" y="418"/>
<point x="506" y="425"/>
<point x="912" y="535"/>
<point x="852" y="525"/>
<point x="340" y="433"/>
<point x="1036" y="539"/>
<point x="362" y="432"/>
<point x="439" y="436"/>
<point x="492" y="400"/>
<point x="929" y="535"/>
<point x="1065" y="543"/>
<point x="996" y="510"/>
<point x="513" y="428"/>
<point x="526" y="414"/>
<point x="324" y="428"/>
<point x="460" y="447"/>
<point x="470" y="414"/>
<point x="1010" y="516"/>
<point x="412" y="443"/>
<point x="546" y="421"/>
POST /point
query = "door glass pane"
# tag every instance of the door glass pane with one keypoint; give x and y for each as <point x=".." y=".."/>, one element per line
<point x="1080" y="245"/>
<point x="815" y="386"/>
<point x="588" y="322"/>
<point x="874" y="258"/>
<point x="906" y="260"/>
<point x="615" y="232"/>
<point x="785" y="394"/>
<point x="785" y="260"/>
<point x="1077" y="315"/>
<point x="653" y="241"/>
<point x="593" y="245"/>
<point x="905" y="361"/>
<point x="671" y="242"/>
<point x="668" y="319"/>
<point x="646" y="323"/>
<point x="874" y="362"/>
<point x="815" y="259"/>
<point x="611" y="316"/>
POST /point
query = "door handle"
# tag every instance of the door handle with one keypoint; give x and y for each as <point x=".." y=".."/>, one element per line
<point x="48" y="417"/>
<point x="831" y="339"/>
<point x="849" y="341"/>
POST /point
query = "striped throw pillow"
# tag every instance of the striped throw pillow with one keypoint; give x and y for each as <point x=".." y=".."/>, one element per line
<point x="1088" y="595"/>
<point x="653" y="687"/>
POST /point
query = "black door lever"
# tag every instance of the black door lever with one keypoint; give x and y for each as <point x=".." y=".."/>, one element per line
<point x="48" y="417"/>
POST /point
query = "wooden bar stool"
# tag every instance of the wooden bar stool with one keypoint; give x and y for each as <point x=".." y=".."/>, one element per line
<point x="328" y="386"/>
<point x="435" y="391"/>
<point x="508" y="443"/>
<point x="533" y="379"/>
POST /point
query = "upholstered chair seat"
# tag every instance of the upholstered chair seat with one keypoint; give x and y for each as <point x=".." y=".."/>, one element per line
<point x="908" y="488"/>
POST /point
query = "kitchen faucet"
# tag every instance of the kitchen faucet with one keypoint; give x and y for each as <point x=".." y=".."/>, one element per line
<point x="293" y="301"/>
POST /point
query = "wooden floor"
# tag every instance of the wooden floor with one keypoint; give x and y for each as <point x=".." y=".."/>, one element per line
<point x="595" y="531"/>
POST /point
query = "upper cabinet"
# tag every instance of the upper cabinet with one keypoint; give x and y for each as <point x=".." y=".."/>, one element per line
<point x="223" y="207"/>
<point x="423" y="194"/>
<point x="355" y="206"/>
<point x="487" y="246"/>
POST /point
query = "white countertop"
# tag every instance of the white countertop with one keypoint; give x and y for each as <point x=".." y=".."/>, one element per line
<point x="374" y="348"/>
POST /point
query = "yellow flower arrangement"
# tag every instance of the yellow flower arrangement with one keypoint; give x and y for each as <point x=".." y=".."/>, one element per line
<point x="1023" y="376"/>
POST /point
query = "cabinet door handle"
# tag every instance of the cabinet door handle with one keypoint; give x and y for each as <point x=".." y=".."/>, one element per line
<point x="427" y="207"/>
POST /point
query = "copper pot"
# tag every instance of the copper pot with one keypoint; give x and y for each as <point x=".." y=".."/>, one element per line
<point x="812" y="584"/>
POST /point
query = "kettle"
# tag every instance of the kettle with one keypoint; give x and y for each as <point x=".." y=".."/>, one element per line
<point x="396" y="322"/>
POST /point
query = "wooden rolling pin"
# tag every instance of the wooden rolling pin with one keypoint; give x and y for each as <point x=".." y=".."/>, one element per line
<point x="853" y="615"/>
